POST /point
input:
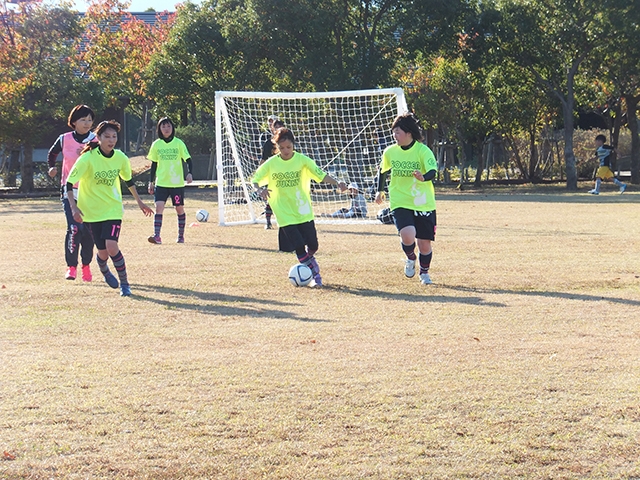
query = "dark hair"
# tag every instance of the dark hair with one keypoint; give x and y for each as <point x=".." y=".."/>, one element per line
<point x="407" y="122"/>
<point x="161" y="122"/>
<point x="278" y="124"/>
<point x="78" y="112"/>
<point x="602" y="138"/>
<point x="99" y="130"/>
<point x="283" y="134"/>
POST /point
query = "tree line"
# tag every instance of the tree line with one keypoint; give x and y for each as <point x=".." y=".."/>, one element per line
<point x="473" y="70"/>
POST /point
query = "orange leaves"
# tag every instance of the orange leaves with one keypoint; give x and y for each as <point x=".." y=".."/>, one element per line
<point x="8" y="456"/>
<point x="120" y="47"/>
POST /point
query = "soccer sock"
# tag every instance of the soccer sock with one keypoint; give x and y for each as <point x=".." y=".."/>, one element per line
<point x="303" y="257"/>
<point x="307" y="259"/>
<point x="409" y="250"/>
<point x="104" y="269"/>
<point x="121" y="268"/>
<point x="157" y="224"/>
<point x="617" y="182"/>
<point x="598" y="182"/>
<point x="425" y="262"/>
<point x="313" y="263"/>
<point x="182" y="219"/>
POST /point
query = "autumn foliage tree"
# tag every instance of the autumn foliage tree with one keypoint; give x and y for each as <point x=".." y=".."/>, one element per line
<point x="119" y="47"/>
<point x="37" y="63"/>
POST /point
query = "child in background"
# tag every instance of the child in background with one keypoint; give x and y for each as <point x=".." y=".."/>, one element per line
<point x="269" y="150"/>
<point x="98" y="172"/>
<point x="269" y="147"/>
<point x="285" y="181"/>
<point x="78" y="239"/>
<point x="604" y="153"/>
<point x="266" y="135"/>
<point x="167" y="176"/>
<point x="358" y="208"/>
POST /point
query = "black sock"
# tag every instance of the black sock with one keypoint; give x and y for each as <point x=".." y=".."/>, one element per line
<point x="425" y="262"/>
<point x="409" y="250"/>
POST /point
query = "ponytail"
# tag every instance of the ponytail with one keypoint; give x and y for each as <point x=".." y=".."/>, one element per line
<point x="88" y="147"/>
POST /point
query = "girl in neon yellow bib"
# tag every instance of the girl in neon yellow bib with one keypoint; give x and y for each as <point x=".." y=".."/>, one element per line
<point x="285" y="181"/>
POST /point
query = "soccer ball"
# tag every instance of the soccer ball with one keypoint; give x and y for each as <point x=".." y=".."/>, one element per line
<point x="300" y="275"/>
<point x="202" y="215"/>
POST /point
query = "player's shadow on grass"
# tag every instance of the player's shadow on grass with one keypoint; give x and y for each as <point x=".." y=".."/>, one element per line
<point x="563" y="295"/>
<point x="217" y="303"/>
<point x="428" y="296"/>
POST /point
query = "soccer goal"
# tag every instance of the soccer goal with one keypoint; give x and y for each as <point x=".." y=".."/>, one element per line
<point x="344" y="132"/>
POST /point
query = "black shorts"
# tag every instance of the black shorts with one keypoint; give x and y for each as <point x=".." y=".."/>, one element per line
<point x="424" y="222"/>
<point x="103" y="231"/>
<point x="297" y="236"/>
<point x="161" y="194"/>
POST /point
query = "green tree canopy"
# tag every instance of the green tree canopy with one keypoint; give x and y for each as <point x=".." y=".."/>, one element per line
<point x="550" y="41"/>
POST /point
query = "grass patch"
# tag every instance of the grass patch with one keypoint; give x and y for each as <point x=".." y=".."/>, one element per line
<point x="521" y="361"/>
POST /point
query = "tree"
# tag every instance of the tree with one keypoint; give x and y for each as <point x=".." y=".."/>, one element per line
<point x="520" y="109"/>
<point x="317" y="44"/>
<point x="38" y="81"/>
<point x="448" y="96"/>
<point x="309" y="45"/>
<point x="119" y="49"/>
<point x="550" y="40"/>
<point x="194" y="62"/>
<point x="618" y="70"/>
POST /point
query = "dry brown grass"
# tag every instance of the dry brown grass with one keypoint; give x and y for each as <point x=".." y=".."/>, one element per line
<point x="522" y="361"/>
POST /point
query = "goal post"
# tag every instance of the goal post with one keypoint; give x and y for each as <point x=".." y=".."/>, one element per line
<point x="343" y="132"/>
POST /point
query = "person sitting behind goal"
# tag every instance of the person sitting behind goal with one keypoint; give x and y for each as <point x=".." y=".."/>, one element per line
<point x="358" y="208"/>
<point x="604" y="153"/>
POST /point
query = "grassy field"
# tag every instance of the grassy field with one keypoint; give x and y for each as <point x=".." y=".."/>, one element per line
<point x="521" y="361"/>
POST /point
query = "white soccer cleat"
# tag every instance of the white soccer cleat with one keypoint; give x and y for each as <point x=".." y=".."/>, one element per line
<point x="594" y="192"/>
<point x="409" y="268"/>
<point x="425" y="279"/>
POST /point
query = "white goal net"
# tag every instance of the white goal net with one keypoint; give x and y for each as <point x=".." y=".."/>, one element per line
<point x="344" y="132"/>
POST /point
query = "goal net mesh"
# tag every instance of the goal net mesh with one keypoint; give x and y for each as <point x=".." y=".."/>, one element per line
<point x="343" y="132"/>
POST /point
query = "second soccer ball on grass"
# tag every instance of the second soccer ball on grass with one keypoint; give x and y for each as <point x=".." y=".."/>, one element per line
<point x="202" y="215"/>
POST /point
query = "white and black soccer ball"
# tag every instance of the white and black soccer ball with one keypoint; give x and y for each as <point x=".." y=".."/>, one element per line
<point x="202" y="215"/>
<point x="300" y="275"/>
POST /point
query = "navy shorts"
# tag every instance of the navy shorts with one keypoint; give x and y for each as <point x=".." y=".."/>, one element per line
<point x="424" y="222"/>
<point x="298" y="236"/>
<point x="161" y="194"/>
<point x="103" y="231"/>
